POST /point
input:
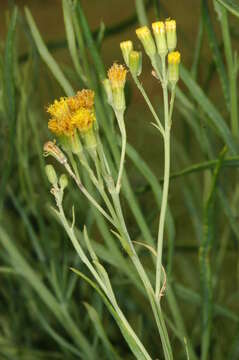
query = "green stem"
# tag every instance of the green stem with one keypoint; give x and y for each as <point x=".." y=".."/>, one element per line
<point x="166" y="182"/>
<point x="146" y="282"/>
<point x="83" y="257"/>
<point x="123" y="150"/>
<point x="87" y="194"/>
<point x="171" y="105"/>
<point x="231" y="70"/>
<point x="140" y="10"/>
<point x="148" y="102"/>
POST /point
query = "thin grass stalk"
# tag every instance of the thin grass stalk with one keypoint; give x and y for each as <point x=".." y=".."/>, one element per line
<point x="231" y="70"/>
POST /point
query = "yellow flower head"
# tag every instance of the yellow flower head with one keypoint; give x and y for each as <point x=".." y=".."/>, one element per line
<point x="67" y="113"/>
<point x="61" y="126"/>
<point x="174" y="58"/>
<point x="145" y="36"/>
<point x="126" y="48"/>
<point x="117" y="76"/>
<point x="143" y="32"/>
<point x="59" y="108"/>
<point x="170" y="25"/>
<point x="83" y="98"/>
<point x="158" y="27"/>
<point x="126" y="45"/>
<point x="83" y="119"/>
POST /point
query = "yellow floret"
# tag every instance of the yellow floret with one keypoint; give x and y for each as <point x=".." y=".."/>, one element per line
<point x="62" y="126"/>
<point x="170" y="25"/>
<point x="83" y="119"/>
<point x="83" y="98"/>
<point x="174" y="57"/>
<point x="126" y="45"/>
<point x="158" y="27"/>
<point x="59" y="108"/>
<point x="117" y="76"/>
<point x="143" y="32"/>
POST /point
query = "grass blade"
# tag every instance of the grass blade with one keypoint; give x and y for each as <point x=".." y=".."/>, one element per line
<point x="47" y="57"/>
<point x="217" y="57"/>
<point x="214" y="117"/>
<point x="10" y="100"/>
<point x="230" y="5"/>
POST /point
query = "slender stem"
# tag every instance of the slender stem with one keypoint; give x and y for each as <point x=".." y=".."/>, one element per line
<point x="87" y="195"/>
<point x="146" y="282"/>
<point x="171" y="105"/>
<point x="231" y="71"/>
<point x="122" y="157"/>
<point x="165" y="185"/>
<point x="139" y="6"/>
<point x="95" y="274"/>
<point x="145" y="96"/>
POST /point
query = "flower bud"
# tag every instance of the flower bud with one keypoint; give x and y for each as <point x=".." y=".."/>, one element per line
<point x="160" y="37"/>
<point x="173" y="67"/>
<point x="146" y="38"/>
<point x="63" y="181"/>
<point x="170" y="26"/>
<point x="51" y="174"/>
<point x="117" y="77"/>
<point x="126" y="48"/>
<point x="135" y="62"/>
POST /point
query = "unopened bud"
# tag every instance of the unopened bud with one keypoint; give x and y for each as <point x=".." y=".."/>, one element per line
<point x="173" y="67"/>
<point x="117" y="77"/>
<point x="160" y="37"/>
<point x="146" y="38"/>
<point x="126" y="48"/>
<point x="135" y="62"/>
<point x="51" y="174"/>
<point x="170" y="26"/>
<point x="63" y="181"/>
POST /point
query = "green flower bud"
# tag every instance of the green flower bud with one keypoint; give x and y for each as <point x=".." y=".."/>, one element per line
<point x="135" y="62"/>
<point x="170" y="26"/>
<point x="126" y="48"/>
<point x="146" y="38"/>
<point x="160" y="37"/>
<point x="173" y="67"/>
<point x="117" y="77"/>
<point x="51" y="174"/>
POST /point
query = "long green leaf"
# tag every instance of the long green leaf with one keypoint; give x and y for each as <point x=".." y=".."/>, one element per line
<point x="204" y="260"/>
<point x="215" y="119"/>
<point x="124" y="330"/>
<point x="217" y="56"/>
<point x="47" y="57"/>
<point x="10" y="100"/>
<point x="23" y="268"/>
<point x="231" y="5"/>
<point x="96" y="321"/>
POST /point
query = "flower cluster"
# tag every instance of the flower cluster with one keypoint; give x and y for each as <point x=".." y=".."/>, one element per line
<point x="71" y="113"/>
<point x="162" y="43"/>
